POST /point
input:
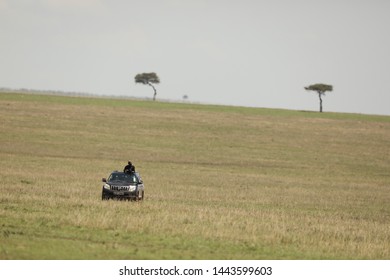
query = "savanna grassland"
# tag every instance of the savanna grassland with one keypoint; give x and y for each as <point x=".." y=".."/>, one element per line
<point x="221" y="182"/>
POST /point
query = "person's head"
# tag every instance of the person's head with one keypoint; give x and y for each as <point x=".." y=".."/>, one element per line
<point x="129" y="162"/>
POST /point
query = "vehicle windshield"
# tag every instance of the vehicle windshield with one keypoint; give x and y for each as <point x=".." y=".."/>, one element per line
<point x="128" y="178"/>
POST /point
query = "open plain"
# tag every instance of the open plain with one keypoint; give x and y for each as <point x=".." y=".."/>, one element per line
<point x="221" y="182"/>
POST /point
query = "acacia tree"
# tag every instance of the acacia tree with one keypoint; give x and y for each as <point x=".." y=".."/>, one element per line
<point x="320" y="89"/>
<point x="148" y="79"/>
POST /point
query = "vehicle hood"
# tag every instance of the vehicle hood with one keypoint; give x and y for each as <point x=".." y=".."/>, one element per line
<point x="121" y="183"/>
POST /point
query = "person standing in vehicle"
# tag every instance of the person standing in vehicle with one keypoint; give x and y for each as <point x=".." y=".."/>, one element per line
<point x="129" y="167"/>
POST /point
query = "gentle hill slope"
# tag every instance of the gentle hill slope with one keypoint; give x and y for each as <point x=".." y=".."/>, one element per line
<point x="221" y="182"/>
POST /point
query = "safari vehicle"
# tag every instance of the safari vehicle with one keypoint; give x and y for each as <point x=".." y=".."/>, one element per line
<point x="120" y="185"/>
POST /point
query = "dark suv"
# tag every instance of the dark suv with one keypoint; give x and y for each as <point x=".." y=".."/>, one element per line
<point x="123" y="186"/>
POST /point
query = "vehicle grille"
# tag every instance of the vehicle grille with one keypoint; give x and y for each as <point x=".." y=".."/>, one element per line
<point x="120" y="188"/>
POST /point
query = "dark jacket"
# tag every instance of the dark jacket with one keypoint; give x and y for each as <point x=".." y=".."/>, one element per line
<point x="129" y="168"/>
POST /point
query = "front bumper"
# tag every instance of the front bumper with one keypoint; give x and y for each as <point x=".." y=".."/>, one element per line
<point x="119" y="194"/>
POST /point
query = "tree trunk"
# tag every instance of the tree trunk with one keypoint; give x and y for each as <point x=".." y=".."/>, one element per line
<point x="155" y="92"/>
<point x="319" y="95"/>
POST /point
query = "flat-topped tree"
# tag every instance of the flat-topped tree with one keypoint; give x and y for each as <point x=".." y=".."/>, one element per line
<point x="320" y="89"/>
<point x="148" y="79"/>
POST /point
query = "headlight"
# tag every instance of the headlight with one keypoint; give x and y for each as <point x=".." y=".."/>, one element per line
<point x="132" y="188"/>
<point x="106" y="186"/>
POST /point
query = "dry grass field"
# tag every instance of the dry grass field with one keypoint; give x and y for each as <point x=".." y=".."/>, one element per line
<point x="221" y="182"/>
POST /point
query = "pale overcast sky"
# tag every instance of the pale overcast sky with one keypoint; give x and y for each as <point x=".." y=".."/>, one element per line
<point x="259" y="53"/>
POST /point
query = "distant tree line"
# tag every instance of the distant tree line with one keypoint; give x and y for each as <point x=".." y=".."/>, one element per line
<point x="152" y="78"/>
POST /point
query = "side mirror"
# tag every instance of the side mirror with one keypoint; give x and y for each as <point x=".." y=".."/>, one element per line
<point x="104" y="180"/>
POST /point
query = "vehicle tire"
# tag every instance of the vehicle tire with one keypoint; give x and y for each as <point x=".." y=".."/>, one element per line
<point x="142" y="196"/>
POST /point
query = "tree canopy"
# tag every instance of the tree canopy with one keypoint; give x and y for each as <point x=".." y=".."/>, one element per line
<point x="320" y="88"/>
<point x="146" y="78"/>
